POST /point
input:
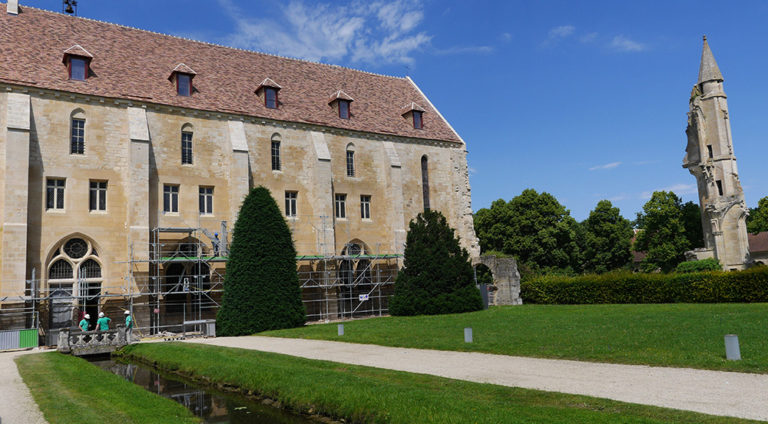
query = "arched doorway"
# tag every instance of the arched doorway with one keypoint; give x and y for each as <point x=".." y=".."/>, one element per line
<point x="74" y="278"/>
<point x="186" y="280"/>
<point x="355" y="278"/>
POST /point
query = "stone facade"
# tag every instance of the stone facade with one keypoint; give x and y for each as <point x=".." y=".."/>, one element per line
<point x="710" y="158"/>
<point x="135" y="147"/>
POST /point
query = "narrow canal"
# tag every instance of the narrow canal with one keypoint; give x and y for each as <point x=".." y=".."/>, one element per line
<point x="207" y="403"/>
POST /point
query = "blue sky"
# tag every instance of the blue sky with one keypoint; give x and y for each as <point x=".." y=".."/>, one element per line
<point x="584" y="100"/>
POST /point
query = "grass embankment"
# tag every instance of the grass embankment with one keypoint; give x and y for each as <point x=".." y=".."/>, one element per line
<point x="372" y="395"/>
<point x="71" y="390"/>
<point x="675" y="335"/>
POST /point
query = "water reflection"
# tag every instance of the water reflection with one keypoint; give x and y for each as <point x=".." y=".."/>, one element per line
<point x="209" y="404"/>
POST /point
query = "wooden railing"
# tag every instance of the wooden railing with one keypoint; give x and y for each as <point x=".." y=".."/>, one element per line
<point x="81" y="343"/>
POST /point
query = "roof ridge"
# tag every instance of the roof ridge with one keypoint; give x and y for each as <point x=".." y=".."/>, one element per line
<point x="213" y="44"/>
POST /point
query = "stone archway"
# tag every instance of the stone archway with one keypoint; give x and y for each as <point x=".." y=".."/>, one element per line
<point x="506" y="279"/>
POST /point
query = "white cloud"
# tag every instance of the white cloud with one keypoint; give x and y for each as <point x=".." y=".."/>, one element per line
<point x="505" y="36"/>
<point x="561" y="31"/>
<point x="678" y="189"/>
<point x="588" y="38"/>
<point x="472" y="171"/>
<point x="464" y="50"/>
<point x="381" y="31"/>
<point x="606" y="166"/>
<point x="623" y="44"/>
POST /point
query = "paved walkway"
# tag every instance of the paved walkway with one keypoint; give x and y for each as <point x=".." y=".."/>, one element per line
<point x="711" y="392"/>
<point x="16" y="403"/>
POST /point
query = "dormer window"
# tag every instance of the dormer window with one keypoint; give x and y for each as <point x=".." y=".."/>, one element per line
<point x="341" y="101"/>
<point x="269" y="89"/>
<point x="78" y="68"/>
<point x="418" y="123"/>
<point x="183" y="84"/>
<point x="78" y="61"/>
<point x="415" y="113"/>
<point x="182" y="76"/>
<point x="344" y="109"/>
<point x="270" y="97"/>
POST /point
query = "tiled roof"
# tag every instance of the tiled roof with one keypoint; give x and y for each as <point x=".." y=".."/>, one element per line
<point x="134" y="64"/>
<point x="77" y="50"/>
<point x="758" y="242"/>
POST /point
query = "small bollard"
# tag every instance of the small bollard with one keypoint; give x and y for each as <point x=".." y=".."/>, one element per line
<point x="732" y="351"/>
<point x="341" y="329"/>
<point x="468" y="335"/>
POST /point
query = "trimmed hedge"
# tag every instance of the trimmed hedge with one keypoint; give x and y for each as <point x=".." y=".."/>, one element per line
<point x="702" y="265"/>
<point x="701" y="287"/>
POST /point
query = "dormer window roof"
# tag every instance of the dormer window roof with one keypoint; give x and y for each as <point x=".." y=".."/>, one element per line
<point x="78" y="61"/>
<point x="182" y="76"/>
<point x="341" y="102"/>
<point x="415" y="112"/>
<point x="270" y="89"/>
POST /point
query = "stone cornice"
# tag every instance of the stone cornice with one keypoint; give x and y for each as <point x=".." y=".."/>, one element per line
<point x="223" y="116"/>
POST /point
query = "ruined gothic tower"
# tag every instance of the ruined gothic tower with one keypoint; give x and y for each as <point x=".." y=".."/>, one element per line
<point x="709" y="157"/>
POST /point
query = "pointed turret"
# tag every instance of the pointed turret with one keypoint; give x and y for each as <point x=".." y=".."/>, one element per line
<point x="708" y="70"/>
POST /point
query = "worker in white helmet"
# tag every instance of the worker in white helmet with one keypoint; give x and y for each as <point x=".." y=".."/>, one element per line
<point x="85" y="322"/>
<point x="128" y="326"/>
<point x="102" y="324"/>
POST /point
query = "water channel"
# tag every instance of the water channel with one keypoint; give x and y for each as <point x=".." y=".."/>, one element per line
<point x="207" y="403"/>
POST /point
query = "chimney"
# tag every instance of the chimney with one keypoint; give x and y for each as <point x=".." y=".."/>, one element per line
<point x="13" y="7"/>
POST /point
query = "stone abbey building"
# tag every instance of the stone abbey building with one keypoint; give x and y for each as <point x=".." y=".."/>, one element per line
<point x="126" y="155"/>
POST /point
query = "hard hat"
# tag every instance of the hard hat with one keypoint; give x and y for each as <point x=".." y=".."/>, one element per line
<point x="101" y="314"/>
<point x="87" y="316"/>
<point x="127" y="312"/>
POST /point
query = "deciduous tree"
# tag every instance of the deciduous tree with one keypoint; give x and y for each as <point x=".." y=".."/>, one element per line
<point x="607" y="239"/>
<point x="663" y="234"/>
<point x="757" y="220"/>
<point x="535" y="228"/>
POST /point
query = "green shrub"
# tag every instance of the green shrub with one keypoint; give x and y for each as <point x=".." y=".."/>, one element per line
<point x="437" y="277"/>
<point x="261" y="286"/>
<point x="702" y="265"/>
<point x="624" y="287"/>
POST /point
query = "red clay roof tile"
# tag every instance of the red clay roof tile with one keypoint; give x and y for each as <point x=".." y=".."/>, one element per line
<point x="133" y="64"/>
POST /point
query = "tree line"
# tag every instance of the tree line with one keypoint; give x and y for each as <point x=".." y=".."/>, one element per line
<point x="545" y="239"/>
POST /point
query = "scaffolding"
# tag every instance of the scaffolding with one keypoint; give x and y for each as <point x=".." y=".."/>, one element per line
<point x="179" y="278"/>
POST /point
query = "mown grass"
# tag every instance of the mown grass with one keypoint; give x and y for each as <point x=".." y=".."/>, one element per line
<point x="71" y="390"/>
<point x="675" y="335"/>
<point x="372" y="395"/>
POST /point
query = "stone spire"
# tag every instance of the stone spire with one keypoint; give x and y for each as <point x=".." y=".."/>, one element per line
<point x="708" y="70"/>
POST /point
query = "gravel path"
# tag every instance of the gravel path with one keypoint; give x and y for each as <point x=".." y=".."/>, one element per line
<point x="16" y="403"/>
<point x="711" y="392"/>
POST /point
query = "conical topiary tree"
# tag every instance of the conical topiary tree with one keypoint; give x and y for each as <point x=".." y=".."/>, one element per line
<point x="437" y="276"/>
<point x="261" y="285"/>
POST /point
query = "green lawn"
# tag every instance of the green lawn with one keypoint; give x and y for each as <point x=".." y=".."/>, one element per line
<point x="676" y="335"/>
<point x="70" y="390"/>
<point x="372" y="395"/>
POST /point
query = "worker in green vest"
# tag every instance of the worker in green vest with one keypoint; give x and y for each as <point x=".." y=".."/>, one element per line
<point x="128" y="326"/>
<point x="102" y="324"/>
<point x="84" y="323"/>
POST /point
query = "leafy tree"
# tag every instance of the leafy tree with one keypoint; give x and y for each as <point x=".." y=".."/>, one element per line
<point x="261" y="286"/>
<point x="437" y="277"/>
<point x="607" y="239"/>
<point x="692" y="223"/>
<point x="701" y="265"/>
<point x="757" y="220"/>
<point x="535" y="228"/>
<point x="663" y="237"/>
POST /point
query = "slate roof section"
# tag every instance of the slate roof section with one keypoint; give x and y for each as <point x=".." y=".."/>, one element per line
<point x="708" y="70"/>
<point x="133" y="64"/>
